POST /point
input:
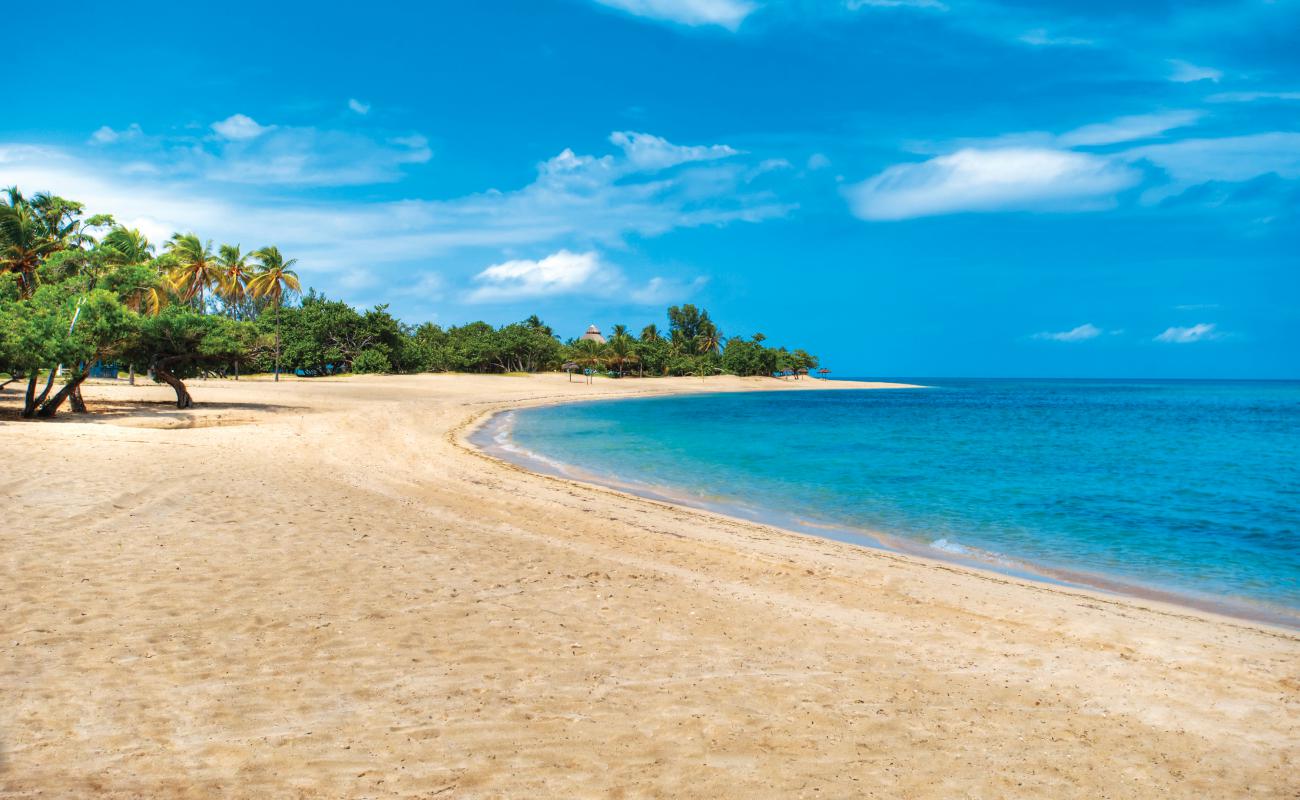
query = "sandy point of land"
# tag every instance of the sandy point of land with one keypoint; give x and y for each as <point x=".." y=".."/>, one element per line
<point x="315" y="589"/>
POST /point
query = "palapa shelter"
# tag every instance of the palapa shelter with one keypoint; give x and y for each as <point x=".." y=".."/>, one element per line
<point x="593" y="335"/>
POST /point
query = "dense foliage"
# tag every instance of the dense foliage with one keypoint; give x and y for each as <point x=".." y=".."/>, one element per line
<point x="76" y="291"/>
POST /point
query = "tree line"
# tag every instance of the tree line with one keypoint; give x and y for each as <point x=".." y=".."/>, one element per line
<point x="78" y="290"/>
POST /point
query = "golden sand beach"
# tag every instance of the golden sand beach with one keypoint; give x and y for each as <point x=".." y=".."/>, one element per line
<point x="319" y="589"/>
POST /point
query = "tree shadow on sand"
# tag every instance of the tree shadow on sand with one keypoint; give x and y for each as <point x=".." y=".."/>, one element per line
<point x="162" y="414"/>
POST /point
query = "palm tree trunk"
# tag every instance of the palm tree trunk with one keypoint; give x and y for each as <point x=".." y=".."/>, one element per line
<point x="277" y="340"/>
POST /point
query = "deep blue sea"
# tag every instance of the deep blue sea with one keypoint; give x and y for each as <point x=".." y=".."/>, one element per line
<point x="1185" y="488"/>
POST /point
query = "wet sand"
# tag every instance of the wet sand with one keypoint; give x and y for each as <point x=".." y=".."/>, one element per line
<point x="318" y="589"/>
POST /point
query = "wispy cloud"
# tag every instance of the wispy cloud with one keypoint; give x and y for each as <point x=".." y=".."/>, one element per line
<point x="1039" y="37"/>
<point x="1185" y="72"/>
<point x="106" y="135"/>
<point x="1006" y="179"/>
<point x="359" y="107"/>
<point x="855" y="5"/>
<point x="1202" y="332"/>
<point x="1082" y="333"/>
<point x="575" y="202"/>
<point x="645" y="151"/>
<point x="241" y="150"/>
<point x="1128" y="129"/>
<point x="724" y="13"/>
<point x="1250" y="97"/>
<point x="1232" y="158"/>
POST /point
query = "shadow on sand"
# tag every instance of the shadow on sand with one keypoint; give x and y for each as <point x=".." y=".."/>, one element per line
<point x="154" y="413"/>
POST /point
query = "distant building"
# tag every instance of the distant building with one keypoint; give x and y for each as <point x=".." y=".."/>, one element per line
<point x="593" y="334"/>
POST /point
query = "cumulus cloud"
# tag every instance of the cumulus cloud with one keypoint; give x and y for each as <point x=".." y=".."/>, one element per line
<point x="1127" y="129"/>
<point x="724" y="13"/>
<point x="1184" y="72"/>
<point x="1082" y="333"/>
<point x="238" y="128"/>
<point x="648" y="152"/>
<point x="358" y="106"/>
<point x="1004" y="179"/>
<point x="563" y="272"/>
<point x="566" y="273"/>
<point x="1202" y="332"/>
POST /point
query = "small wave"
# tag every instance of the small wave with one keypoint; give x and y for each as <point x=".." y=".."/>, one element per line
<point x="950" y="547"/>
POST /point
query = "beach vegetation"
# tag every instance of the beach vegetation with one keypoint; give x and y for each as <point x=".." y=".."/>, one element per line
<point x="78" y="291"/>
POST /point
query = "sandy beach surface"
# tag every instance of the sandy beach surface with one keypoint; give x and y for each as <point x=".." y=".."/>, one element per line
<point x="318" y="589"/>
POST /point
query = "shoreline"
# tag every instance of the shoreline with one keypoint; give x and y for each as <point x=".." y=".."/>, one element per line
<point x="316" y="588"/>
<point x="1090" y="585"/>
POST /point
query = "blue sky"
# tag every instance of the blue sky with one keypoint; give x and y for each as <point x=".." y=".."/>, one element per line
<point x="906" y="187"/>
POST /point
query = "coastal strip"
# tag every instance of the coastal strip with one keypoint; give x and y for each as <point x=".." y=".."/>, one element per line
<point x="314" y="586"/>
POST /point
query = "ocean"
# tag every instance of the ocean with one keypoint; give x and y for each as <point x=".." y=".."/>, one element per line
<point x="1181" y="490"/>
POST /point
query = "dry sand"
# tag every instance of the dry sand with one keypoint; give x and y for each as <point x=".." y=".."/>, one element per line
<point x="317" y="589"/>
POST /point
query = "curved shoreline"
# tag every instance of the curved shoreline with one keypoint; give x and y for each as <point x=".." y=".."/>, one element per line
<point x="1088" y="584"/>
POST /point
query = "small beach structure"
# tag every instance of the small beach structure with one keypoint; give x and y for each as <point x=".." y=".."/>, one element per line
<point x="823" y="372"/>
<point x="570" y="367"/>
<point x="592" y="335"/>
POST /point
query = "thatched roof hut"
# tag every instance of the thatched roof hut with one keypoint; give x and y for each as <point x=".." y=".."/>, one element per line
<point x="593" y="335"/>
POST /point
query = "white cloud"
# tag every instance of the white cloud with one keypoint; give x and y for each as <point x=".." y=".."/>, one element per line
<point x="725" y="13"/>
<point x="238" y="127"/>
<point x="575" y="202"/>
<point x="1250" y="97"/>
<point x="818" y="161"/>
<point x="569" y="273"/>
<point x="106" y="135"/>
<point x="1005" y="179"/>
<point x="358" y="106"/>
<point x="563" y="272"/>
<point x="1202" y="332"/>
<point x="648" y="152"/>
<point x="1184" y="72"/>
<point x="1039" y="37"/>
<point x="1126" y="129"/>
<point x="1082" y="333"/>
<point x="1231" y="158"/>
<point x="1197" y="307"/>
<point x="855" y="5"/>
<point x="663" y="291"/>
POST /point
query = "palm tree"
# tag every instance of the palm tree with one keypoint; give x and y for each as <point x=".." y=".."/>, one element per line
<point x="195" y="269"/>
<point x="621" y="351"/>
<point x="233" y="275"/>
<point x="126" y="246"/>
<point x="25" y="240"/>
<point x="588" y="353"/>
<point x="650" y="333"/>
<point x="617" y="331"/>
<point x="274" y="281"/>
<point x="709" y="340"/>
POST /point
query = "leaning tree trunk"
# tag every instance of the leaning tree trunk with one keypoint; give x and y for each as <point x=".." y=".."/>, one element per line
<point x="70" y="389"/>
<point x="33" y="401"/>
<point x="183" y="399"/>
<point x="78" y="402"/>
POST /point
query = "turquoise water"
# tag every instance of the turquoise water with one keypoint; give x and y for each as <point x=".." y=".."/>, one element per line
<point x="1183" y="487"/>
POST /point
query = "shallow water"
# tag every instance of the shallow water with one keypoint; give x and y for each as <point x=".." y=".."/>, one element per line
<point x="1183" y="487"/>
